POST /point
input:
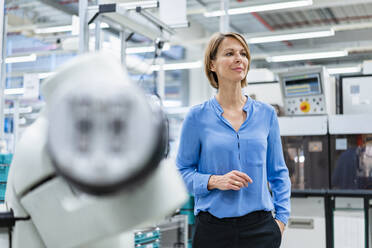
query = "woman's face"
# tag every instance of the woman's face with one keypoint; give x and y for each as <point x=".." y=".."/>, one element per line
<point x="231" y="62"/>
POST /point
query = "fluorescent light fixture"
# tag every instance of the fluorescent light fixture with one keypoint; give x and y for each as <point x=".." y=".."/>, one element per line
<point x="14" y="91"/>
<point x="172" y="103"/>
<point x="147" y="49"/>
<point x="307" y="56"/>
<point x="67" y="28"/>
<point x="260" y="8"/>
<point x="58" y="29"/>
<point x="20" y="59"/>
<point x="342" y="70"/>
<point x="24" y="110"/>
<point x="292" y="36"/>
<point x="178" y="66"/>
<point x="103" y="25"/>
<point x="142" y="4"/>
<point x="44" y="75"/>
<point x="132" y="50"/>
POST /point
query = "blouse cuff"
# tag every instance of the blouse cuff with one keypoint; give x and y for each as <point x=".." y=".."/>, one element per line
<point x="282" y="217"/>
<point x="201" y="183"/>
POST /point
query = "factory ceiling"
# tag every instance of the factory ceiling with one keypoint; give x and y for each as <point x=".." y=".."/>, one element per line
<point x="350" y="24"/>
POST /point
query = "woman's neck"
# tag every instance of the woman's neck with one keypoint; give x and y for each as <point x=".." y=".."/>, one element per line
<point x="230" y="96"/>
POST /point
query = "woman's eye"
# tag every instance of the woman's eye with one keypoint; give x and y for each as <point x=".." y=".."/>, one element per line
<point x="244" y="54"/>
<point x="229" y="54"/>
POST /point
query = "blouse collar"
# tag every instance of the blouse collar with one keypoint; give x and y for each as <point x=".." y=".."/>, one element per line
<point x="217" y="107"/>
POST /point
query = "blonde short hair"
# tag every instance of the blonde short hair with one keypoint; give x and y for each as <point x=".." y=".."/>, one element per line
<point x="211" y="52"/>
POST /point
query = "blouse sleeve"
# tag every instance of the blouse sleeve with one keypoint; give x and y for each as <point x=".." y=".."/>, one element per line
<point x="277" y="172"/>
<point x="188" y="157"/>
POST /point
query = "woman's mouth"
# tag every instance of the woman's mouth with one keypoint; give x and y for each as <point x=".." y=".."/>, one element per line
<point x="238" y="69"/>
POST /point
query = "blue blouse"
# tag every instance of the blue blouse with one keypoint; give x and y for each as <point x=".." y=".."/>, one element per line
<point x="209" y="145"/>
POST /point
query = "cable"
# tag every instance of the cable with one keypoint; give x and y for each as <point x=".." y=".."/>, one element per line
<point x="10" y="237"/>
<point x="129" y="37"/>
<point x="159" y="44"/>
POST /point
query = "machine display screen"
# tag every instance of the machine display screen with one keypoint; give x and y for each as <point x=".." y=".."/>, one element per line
<point x="302" y="85"/>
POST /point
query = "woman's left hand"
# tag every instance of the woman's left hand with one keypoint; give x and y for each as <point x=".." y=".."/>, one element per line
<point x="281" y="225"/>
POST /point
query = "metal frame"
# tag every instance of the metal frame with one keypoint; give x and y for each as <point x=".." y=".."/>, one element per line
<point x="117" y="13"/>
<point x="84" y="29"/>
<point x="161" y="25"/>
<point x="340" y="88"/>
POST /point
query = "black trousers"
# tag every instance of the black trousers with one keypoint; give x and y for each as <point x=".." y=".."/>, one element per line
<point x="254" y="230"/>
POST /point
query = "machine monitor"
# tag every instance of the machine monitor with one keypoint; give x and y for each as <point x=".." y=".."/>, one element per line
<point x="303" y="85"/>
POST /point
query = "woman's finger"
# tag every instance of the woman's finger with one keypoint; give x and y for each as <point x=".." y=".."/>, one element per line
<point x="244" y="176"/>
<point x="239" y="179"/>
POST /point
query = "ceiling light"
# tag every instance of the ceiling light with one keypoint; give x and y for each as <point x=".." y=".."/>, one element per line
<point x="132" y="50"/>
<point x="147" y="49"/>
<point x="20" y="59"/>
<point x="24" y="110"/>
<point x="307" y="56"/>
<point x="67" y="28"/>
<point x="292" y="36"/>
<point x="103" y="25"/>
<point x="58" y="29"/>
<point x="260" y="8"/>
<point x="14" y="91"/>
<point x="178" y="66"/>
<point x="342" y="70"/>
<point x="44" y="75"/>
<point x="142" y="4"/>
<point x="172" y="103"/>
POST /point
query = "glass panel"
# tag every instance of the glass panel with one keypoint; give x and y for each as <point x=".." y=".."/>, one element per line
<point x="307" y="161"/>
<point x="351" y="161"/>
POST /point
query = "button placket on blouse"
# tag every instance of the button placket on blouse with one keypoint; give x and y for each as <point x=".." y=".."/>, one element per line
<point x="235" y="132"/>
<point x="219" y="110"/>
<point x="237" y="135"/>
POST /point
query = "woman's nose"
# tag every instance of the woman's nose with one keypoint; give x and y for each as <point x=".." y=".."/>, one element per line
<point x="238" y="58"/>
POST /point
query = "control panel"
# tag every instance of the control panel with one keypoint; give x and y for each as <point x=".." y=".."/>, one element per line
<point x="303" y="92"/>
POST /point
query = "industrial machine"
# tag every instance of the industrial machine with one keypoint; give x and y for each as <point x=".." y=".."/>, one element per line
<point x="307" y="99"/>
<point x="307" y="96"/>
<point x="328" y="157"/>
<point x="305" y="149"/>
<point x="92" y="166"/>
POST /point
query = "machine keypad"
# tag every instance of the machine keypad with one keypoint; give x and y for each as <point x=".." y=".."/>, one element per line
<point x="304" y="106"/>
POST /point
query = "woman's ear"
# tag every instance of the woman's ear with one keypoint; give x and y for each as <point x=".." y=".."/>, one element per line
<point x="213" y="66"/>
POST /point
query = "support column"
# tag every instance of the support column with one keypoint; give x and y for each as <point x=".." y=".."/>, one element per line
<point x="224" y="19"/>
<point x="199" y="88"/>
<point x="98" y="40"/>
<point x="123" y="48"/>
<point x="366" y="221"/>
<point x="3" y="22"/>
<point x="15" y="122"/>
<point x="161" y="79"/>
<point x="84" y="29"/>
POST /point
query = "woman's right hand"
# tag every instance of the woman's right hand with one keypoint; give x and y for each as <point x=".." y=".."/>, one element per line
<point x="234" y="180"/>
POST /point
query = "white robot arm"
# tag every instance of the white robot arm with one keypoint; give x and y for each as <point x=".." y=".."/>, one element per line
<point x="92" y="166"/>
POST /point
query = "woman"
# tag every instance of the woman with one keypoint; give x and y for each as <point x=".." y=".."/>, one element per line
<point x="229" y="151"/>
